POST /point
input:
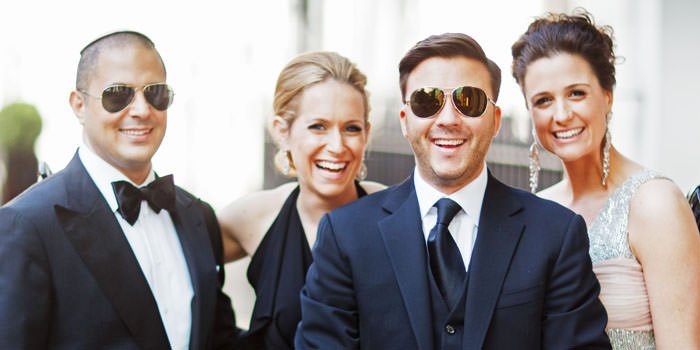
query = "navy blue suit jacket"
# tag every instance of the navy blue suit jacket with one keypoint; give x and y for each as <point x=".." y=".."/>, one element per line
<point x="531" y="284"/>
<point x="69" y="279"/>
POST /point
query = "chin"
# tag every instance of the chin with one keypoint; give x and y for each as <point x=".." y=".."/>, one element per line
<point x="568" y="154"/>
<point x="450" y="170"/>
<point x="335" y="189"/>
<point x="137" y="159"/>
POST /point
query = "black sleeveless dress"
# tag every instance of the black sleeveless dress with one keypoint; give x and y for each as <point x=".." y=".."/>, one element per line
<point x="277" y="272"/>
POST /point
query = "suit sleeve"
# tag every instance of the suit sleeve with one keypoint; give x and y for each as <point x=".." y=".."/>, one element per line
<point x="225" y="333"/>
<point x="328" y="305"/>
<point x="574" y="316"/>
<point x="25" y="285"/>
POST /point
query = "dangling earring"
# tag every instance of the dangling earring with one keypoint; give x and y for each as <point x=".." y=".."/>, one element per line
<point x="361" y="174"/>
<point x="606" y="151"/>
<point x="285" y="168"/>
<point x="285" y="161"/>
<point x="534" y="165"/>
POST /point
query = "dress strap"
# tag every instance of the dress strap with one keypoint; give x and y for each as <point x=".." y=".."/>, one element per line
<point x="609" y="233"/>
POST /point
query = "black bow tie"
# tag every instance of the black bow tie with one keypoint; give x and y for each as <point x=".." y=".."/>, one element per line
<point x="160" y="194"/>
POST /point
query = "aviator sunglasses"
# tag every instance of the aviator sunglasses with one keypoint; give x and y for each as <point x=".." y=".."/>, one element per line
<point x="116" y="97"/>
<point x="468" y="100"/>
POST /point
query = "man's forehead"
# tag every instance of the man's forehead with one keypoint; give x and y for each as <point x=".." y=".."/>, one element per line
<point x="127" y="66"/>
<point x="449" y="72"/>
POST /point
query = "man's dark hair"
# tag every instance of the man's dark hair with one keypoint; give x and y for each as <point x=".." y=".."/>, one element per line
<point x="91" y="52"/>
<point x="447" y="45"/>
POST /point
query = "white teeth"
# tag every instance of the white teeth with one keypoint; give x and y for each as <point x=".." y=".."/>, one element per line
<point x="135" y="132"/>
<point x="331" y="165"/>
<point x="567" y="134"/>
<point x="450" y="142"/>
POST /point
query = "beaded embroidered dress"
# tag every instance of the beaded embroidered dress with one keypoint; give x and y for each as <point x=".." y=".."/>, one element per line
<point x="622" y="287"/>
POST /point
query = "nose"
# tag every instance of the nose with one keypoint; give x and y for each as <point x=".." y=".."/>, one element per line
<point x="335" y="141"/>
<point x="448" y="115"/>
<point x="139" y="106"/>
<point x="562" y="112"/>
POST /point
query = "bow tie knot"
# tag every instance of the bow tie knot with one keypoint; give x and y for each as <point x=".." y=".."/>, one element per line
<point x="159" y="194"/>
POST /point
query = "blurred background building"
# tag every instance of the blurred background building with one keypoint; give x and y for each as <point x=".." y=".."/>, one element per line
<point x="223" y="58"/>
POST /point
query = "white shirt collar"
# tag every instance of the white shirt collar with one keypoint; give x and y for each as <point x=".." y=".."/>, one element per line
<point x="469" y="197"/>
<point x="103" y="174"/>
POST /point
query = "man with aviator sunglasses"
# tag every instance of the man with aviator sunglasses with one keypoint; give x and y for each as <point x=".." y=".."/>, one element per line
<point x="451" y="258"/>
<point x="105" y="253"/>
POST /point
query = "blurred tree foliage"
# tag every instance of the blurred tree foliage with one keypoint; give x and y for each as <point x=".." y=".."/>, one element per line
<point x="20" y="125"/>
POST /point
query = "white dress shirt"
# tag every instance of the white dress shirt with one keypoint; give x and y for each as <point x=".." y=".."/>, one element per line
<point x="156" y="245"/>
<point x="465" y="224"/>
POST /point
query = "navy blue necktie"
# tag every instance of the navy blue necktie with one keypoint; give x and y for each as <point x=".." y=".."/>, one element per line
<point x="160" y="194"/>
<point x="446" y="261"/>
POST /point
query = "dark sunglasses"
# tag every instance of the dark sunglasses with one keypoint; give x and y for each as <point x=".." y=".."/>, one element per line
<point x="118" y="96"/>
<point x="428" y="101"/>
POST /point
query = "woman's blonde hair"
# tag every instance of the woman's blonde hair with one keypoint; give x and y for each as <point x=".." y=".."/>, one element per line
<point x="303" y="71"/>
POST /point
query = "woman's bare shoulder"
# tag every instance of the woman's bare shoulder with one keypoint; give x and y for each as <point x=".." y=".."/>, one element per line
<point x="659" y="212"/>
<point x="251" y="214"/>
<point x="658" y="197"/>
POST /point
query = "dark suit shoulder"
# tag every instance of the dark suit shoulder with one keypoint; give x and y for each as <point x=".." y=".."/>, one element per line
<point x="190" y="197"/>
<point x="356" y="224"/>
<point x="540" y="205"/>
<point x="546" y="220"/>
<point x="367" y="207"/>
<point x="41" y="195"/>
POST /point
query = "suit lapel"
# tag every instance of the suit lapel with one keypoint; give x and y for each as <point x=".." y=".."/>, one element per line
<point x="196" y="246"/>
<point x="404" y="241"/>
<point x="95" y="234"/>
<point x="498" y="236"/>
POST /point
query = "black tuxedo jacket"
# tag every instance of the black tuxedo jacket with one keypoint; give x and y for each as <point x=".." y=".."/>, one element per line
<point x="69" y="279"/>
<point x="531" y="284"/>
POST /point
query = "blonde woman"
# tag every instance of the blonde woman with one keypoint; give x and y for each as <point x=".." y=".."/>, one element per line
<point x="321" y="127"/>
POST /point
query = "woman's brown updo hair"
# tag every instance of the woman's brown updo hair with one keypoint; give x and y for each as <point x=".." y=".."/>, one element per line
<point x="574" y="34"/>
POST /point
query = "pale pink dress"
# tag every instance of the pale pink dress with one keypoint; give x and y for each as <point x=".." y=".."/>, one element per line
<point x="623" y="290"/>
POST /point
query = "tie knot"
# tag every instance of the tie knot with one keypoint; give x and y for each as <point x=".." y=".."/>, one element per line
<point x="446" y="210"/>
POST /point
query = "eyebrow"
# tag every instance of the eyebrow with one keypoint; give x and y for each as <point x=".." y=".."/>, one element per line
<point x="570" y="86"/>
<point x="576" y="84"/>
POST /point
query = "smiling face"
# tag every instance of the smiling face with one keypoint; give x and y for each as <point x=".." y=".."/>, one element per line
<point x="327" y="139"/>
<point x="568" y="106"/>
<point x="129" y="138"/>
<point x="449" y="148"/>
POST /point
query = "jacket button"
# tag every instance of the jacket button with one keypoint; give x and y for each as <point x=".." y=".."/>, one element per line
<point x="449" y="329"/>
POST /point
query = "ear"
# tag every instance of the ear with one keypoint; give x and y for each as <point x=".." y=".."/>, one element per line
<point x="368" y="128"/>
<point x="402" y="119"/>
<point x="279" y="128"/>
<point x="497" y="119"/>
<point x="77" y="103"/>
<point x="609" y="97"/>
<point x="527" y="104"/>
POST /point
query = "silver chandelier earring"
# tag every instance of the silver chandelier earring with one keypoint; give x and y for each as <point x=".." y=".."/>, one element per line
<point x="534" y="165"/>
<point x="606" y="151"/>
<point x="361" y="174"/>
